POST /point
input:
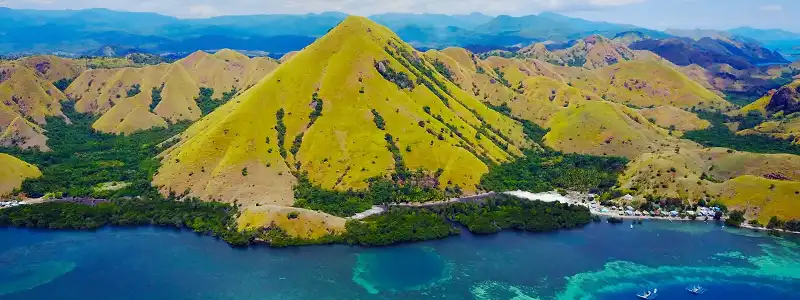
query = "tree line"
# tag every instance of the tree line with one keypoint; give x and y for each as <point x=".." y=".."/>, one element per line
<point x="398" y="225"/>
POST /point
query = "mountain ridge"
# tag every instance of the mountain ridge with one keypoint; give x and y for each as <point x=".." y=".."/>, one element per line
<point x="361" y="80"/>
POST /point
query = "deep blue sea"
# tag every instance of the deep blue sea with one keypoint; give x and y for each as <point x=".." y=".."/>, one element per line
<point x="600" y="261"/>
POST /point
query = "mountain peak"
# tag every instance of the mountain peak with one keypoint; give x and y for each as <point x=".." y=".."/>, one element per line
<point x="336" y="110"/>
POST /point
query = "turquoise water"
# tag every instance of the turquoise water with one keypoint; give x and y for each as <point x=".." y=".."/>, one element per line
<point x="601" y="261"/>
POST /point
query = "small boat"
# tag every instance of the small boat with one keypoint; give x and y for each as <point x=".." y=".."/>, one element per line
<point x="648" y="294"/>
<point x="631" y="225"/>
<point x="696" y="289"/>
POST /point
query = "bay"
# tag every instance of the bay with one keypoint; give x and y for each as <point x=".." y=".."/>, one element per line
<point x="600" y="261"/>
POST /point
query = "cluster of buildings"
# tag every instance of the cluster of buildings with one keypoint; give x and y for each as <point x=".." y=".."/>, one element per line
<point x="5" y="204"/>
<point x="629" y="211"/>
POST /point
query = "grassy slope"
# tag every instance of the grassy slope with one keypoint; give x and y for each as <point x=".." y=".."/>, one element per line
<point x="701" y="76"/>
<point x="591" y="53"/>
<point x="16" y="131"/>
<point x="604" y="128"/>
<point x="105" y="90"/>
<point x="308" y="224"/>
<point x="530" y="83"/>
<point x="27" y="100"/>
<point x="786" y="127"/>
<point x="671" y="117"/>
<point x="763" y="198"/>
<point x="648" y="82"/>
<point x="552" y="96"/>
<point x="344" y="147"/>
<point x="583" y="126"/>
<point x="52" y="68"/>
<point x="13" y="171"/>
<point x="710" y="173"/>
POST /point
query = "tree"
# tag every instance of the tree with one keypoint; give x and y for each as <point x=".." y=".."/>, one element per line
<point x="735" y="218"/>
<point x="774" y="223"/>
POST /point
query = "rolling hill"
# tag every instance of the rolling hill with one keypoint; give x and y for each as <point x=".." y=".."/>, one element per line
<point x="28" y="98"/>
<point x="13" y="171"/>
<point x="53" y="68"/>
<point x="567" y="100"/>
<point x="132" y="99"/>
<point x="741" y="180"/>
<point x="356" y="104"/>
<point x="781" y="108"/>
<point x="592" y="52"/>
<point x="604" y="128"/>
<point x="670" y="117"/>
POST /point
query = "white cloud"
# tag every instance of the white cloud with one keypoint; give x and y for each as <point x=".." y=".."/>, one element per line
<point x="202" y="11"/>
<point x="771" y="7"/>
<point x="205" y="8"/>
<point x="614" y="2"/>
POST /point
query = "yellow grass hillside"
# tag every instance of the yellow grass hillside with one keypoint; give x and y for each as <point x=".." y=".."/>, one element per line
<point x="307" y="224"/>
<point x="128" y="116"/>
<point x="13" y="171"/>
<point x="701" y="76"/>
<point x="785" y="129"/>
<point x="782" y="108"/>
<point x="605" y="128"/>
<point x="536" y="90"/>
<point x="762" y="198"/>
<point x="646" y="83"/>
<point x="16" y="131"/>
<point x="27" y="99"/>
<point x="673" y="118"/>
<point x="592" y="52"/>
<point x="531" y="90"/>
<point x="335" y="110"/>
<point x="567" y="99"/>
<point x="110" y="91"/>
<point x="29" y="95"/>
<point x="741" y="180"/>
<point x="53" y="68"/>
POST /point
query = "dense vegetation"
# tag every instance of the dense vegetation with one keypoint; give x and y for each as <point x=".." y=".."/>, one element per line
<point x="791" y="225"/>
<point x="381" y="191"/>
<point x="212" y="218"/>
<point x="280" y="128"/>
<point x="208" y="104"/>
<point x="63" y="83"/>
<point x="735" y="218"/>
<point x="155" y="96"/>
<point x="398" y="225"/>
<point x="343" y="204"/>
<point x="402" y="224"/>
<point x="540" y="171"/>
<point x="718" y="135"/>
<point x="505" y="212"/>
<point x="82" y="159"/>
<point x="134" y="90"/>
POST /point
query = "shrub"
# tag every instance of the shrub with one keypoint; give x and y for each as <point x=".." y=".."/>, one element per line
<point x="735" y="218"/>
<point x="379" y="122"/>
<point x="134" y="90"/>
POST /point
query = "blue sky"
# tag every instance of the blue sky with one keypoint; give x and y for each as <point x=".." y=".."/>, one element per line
<point x="657" y="14"/>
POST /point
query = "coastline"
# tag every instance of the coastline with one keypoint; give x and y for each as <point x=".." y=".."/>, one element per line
<point x="673" y="219"/>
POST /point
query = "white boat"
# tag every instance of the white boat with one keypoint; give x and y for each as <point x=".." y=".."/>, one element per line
<point x="648" y="294"/>
<point x="631" y="226"/>
<point x="696" y="289"/>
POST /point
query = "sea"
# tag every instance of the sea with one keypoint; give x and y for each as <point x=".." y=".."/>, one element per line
<point x="599" y="261"/>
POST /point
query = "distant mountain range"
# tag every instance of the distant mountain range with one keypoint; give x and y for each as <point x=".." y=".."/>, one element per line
<point x="88" y="32"/>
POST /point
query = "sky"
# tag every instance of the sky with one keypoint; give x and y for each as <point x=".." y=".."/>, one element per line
<point x="655" y="14"/>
